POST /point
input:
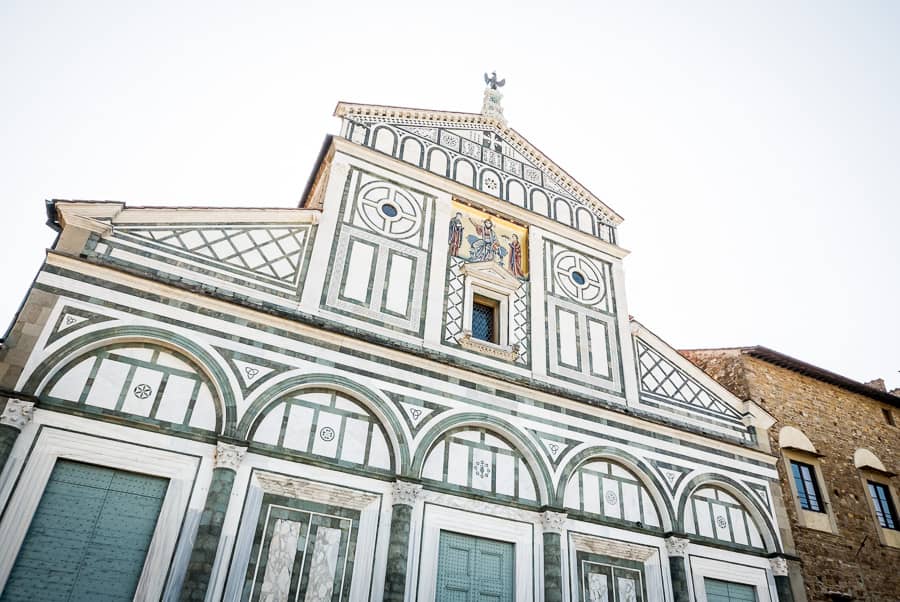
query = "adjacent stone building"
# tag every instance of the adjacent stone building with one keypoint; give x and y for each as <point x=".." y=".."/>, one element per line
<point x="421" y="384"/>
<point x="838" y="448"/>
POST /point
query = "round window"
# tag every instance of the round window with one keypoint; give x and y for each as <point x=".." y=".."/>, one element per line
<point x="578" y="278"/>
<point x="389" y="210"/>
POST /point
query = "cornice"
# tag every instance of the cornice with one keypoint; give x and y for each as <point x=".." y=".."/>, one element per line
<point x="519" y="142"/>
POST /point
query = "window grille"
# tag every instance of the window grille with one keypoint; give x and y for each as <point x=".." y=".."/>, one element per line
<point x="484" y="320"/>
<point x="807" y="487"/>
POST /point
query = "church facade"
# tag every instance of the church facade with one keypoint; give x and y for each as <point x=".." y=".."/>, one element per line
<point x="421" y="384"/>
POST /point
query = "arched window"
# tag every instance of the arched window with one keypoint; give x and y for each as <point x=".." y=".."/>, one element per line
<point x="477" y="460"/>
<point x="715" y="514"/>
<point x="326" y="425"/>
<point x="138" y="379"/>
<point x="610" y="490"/>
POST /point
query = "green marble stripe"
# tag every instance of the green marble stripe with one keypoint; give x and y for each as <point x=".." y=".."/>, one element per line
<point x="434" y="375"/>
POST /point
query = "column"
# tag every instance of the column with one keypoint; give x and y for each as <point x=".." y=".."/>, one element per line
<point x="405" y="496"/>
<point x="782" y="579"/>
<point x="15" y="416"/>
<point x="554" y="524"/>
<point x="203" y="554"/>
<point x="676" y="547"/>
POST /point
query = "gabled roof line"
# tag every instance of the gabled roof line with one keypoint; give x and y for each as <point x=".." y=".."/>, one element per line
<point x="346" y="109"/>
<point x="821" y="374"/>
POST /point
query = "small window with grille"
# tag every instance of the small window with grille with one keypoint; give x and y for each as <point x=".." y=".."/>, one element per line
<point x="485" y="319"/>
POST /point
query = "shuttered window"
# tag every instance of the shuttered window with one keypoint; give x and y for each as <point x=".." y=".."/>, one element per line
<point x="472" y="569"/>
<point x="726" y="591"/>
<point x="88" y="538"/>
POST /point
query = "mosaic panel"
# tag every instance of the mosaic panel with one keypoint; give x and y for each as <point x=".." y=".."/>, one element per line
<point x="325" y="425"/>
<point x="477" y="460"/>
<point x="611" y="491"/>
<point x="714" y="514"/>
<point x="138" y="380"/>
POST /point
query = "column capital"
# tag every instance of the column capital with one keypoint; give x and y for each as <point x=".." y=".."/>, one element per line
<point x="406" y="493"/>
<point x="17" y="413"/>
<point x="779" y="566"/>
<point x="554" y="522"/>
<point x="677" y="546"/>
<point x="229" y="456"/>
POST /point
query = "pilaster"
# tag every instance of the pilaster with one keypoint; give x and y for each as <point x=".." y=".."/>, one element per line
<point x="209" y="531"/>
<point x="554" y="525"/>
<point x="16" y="415"/>
<point x="782" y="579"/>
<point x="405" y="496"/>
<point x="676" y="549"/>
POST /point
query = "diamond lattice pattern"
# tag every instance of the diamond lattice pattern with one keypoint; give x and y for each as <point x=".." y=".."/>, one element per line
<point x="272" y="252"/>
<point x="661" y="377"/>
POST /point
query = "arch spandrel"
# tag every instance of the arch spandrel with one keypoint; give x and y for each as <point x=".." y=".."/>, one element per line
<point x="178" y="360"/>
<point x="732" y="515"/>
<point x="650" y="488"/>
<point x="517" y="443"/>
<point x="325" y="425"/>
<point x="355" y="393"/>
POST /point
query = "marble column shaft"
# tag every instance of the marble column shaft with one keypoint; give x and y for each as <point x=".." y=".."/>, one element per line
<point x="209" y="531"/>
<point x="552" y="567"/>
<point x="405" y="496"/>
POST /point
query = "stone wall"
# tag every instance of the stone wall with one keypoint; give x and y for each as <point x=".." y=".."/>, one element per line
<point x="837" y="422"/>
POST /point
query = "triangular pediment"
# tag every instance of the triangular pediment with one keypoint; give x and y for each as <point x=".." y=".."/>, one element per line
<point x="668" y="380"/>
<point x="482" y="152"/>
<point x="491" y="272"/>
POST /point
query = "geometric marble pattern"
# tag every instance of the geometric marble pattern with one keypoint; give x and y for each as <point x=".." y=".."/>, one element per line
<point x="714" y="514"/>
<point x="137" y="380"/>
<point x="474" y="459"/>
<point x="272" y="251"/>
<point x="609" y="490"/>
<point x="453" y="325"/>
<point x="660" y="377"/>
<point x="481" y="158"/>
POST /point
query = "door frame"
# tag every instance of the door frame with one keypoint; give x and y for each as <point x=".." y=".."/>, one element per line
<point x="52" y="444"/>
<point x="441" y="518"/>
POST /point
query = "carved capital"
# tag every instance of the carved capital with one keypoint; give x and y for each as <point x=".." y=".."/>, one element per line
<point x="406" y="493"/>
<point x="779" y="566"/>
<point x="554" y="522"/>
<point x="17" y="413"/>
<point x="677" y="546"/>
<point x="229" y="456"/>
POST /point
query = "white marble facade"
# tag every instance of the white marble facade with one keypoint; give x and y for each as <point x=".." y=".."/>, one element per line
<point x="319" y="340"/>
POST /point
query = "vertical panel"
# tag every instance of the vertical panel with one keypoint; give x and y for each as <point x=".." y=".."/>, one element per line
<point x="359" y="272"/>
<point x="399" y="283"/>
<point x="599" y="355"/>
<point x="568" y="340"/>
<point x="276" y="583"/>
<point x="323" y="566"/>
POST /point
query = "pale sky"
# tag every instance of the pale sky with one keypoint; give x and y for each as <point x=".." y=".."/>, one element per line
<point x="752" y="147"/>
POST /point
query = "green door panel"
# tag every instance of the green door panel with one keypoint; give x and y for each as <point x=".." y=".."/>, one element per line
<point x="88" y="537"/>
<point x="726" y="591"/>
<point x="472" y="569"/>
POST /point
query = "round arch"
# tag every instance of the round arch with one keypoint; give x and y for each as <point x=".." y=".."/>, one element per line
<point x="207" y="360"/>
<point x="522" y="444"/>
<point x="766" y="529"/>
<point x="365" y="396"/>
<point x="637" y="467"/>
